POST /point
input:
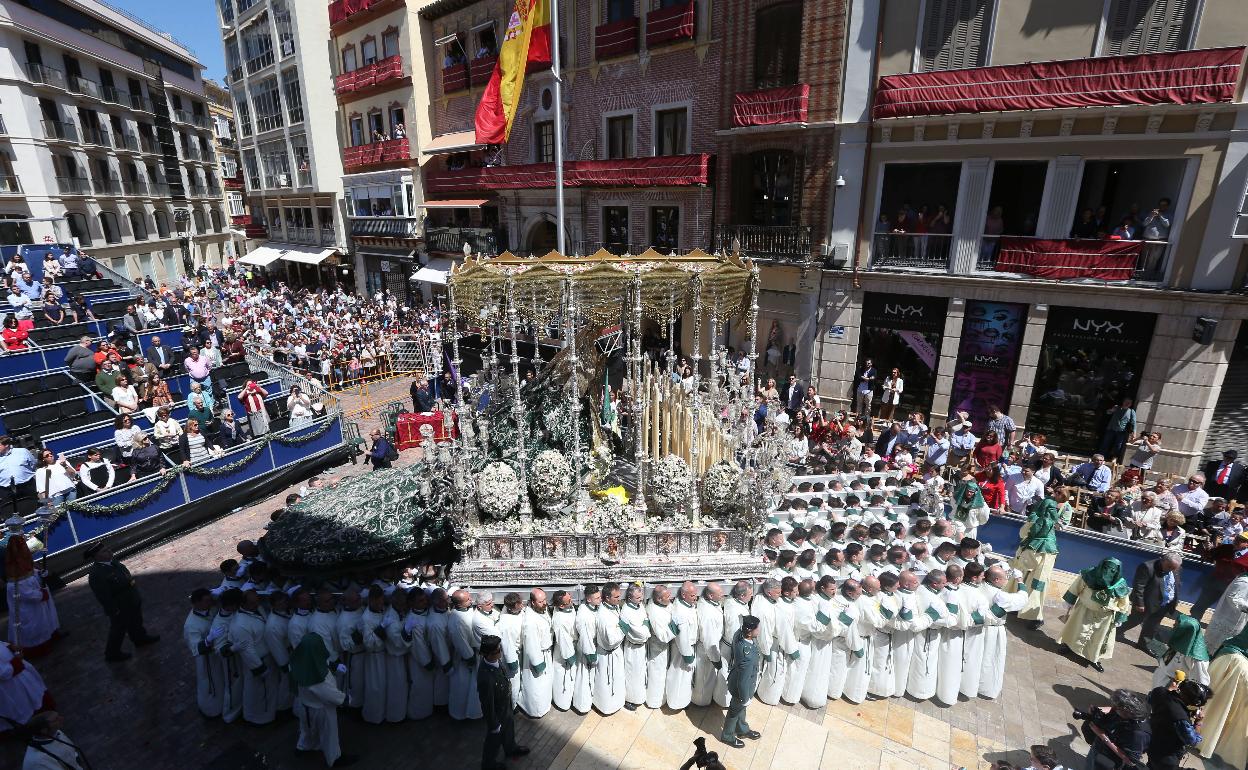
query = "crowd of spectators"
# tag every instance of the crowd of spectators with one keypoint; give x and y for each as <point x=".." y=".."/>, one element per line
<point x="40" y="303"/>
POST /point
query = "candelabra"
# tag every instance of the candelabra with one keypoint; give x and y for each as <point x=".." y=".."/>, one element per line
<point x="517" y="405"/>
<point x="637" y="401"/>
<point x="695" y="504"/>
<point x="574" y="396"/>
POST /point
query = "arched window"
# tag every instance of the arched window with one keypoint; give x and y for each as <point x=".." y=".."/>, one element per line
<point x="78" y="228"/>
<point x="215" y="214"/>
<point x="162" y="223"/>
<point x="138" y="225"/>
<point x="199" y="220"/>
<point x="108" y="224"/>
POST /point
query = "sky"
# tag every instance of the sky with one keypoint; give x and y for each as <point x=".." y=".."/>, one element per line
<point x="193" y="22"/>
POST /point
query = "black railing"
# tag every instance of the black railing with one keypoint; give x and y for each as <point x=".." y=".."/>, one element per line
<point x="910" y="250"/>
<point x="387" y="227"/>
<point x="780" y="243"/>
<point x="452" y="239"/>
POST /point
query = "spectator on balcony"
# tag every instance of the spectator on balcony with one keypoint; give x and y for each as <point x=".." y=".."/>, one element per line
<point x="166" y="430"/>
<point x="232" y="432"/>
<point x="13" y="337"/>
<point x="53" y="312"/>
<point x="69" y="262"/>
<point x="133" y="321"/>
<point x="80" y="306"/>
<point x="1125" y="231"/>
<point x="378" y="136"/>
<point x="194" y="444"/>
<point x="994" y="226"/>
<point x="162" y="356"/>
<point x="21" y="306"/>
<point x="55" y="479"/>
<point x="97" y="474"/>
<point x="14" y="266"/>
<point x="124" y="432"/>
<point x="300" y="407"/>
<point x="399" y="131"/>
<point x="125" y="397"/>
<point x="1086" y="226"/>
<point x="144" y="457"/>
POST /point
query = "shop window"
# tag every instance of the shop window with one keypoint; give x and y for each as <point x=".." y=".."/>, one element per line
<point x="904" y="331"/>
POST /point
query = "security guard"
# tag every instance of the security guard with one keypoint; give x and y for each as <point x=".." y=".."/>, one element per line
<point x="114" y="589"/>
<point x="494" y="690"/>
<point x="742" y="680"/>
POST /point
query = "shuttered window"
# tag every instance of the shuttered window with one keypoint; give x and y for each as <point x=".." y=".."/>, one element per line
<point x="1148" y="26"/>
<point x="777" y="45"/>
<point x="955" y="34"/>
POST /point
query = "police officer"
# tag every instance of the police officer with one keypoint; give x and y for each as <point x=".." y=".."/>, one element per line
<point x="742" y="679"/>
<point x="494" y="690"/>
<point x="114" y="589"/>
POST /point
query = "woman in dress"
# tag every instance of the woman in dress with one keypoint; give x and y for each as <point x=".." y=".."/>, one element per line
<point x="53" y="312"/>
<point x="893" y="387"/>
<point x="125" y="397"/>
<point x="124" y="431"/>
<point x="55" y="479"/>
<point x="1099" y="601"/>
<point x="988" y="450"/>
<point x="166" y="430"/>
<point x="299" y="406"/>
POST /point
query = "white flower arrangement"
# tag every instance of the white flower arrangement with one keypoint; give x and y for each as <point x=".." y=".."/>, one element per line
<point x="551" y="480"/>
<point x="721" y="489"/>
<point x="605" y="516"/>
<point x="498" y="490"/>
<point x="670" y="481"/>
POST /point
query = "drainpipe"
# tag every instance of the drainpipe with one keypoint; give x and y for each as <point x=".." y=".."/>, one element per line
<point x="866" y="160"/>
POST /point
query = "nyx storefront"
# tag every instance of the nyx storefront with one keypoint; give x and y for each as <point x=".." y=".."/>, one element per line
<point x="1089" y="362"/>
<point x="903" y="331"/>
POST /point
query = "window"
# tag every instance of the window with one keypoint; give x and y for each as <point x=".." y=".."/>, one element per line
<point x="268" y="105"/>
<point x="198" y="216"/>
<point x="253" y="169"/>
<point x="348" y="59"/>
<point x="763" y="188"/>
<point x="368" y="51"/>
<point x="229" y="166"/>
<point x="544" y="141"/>
<point x="954" y="34"/>
<point x="618" y="10"/>
<point x="671" y="135"/>
<point x="487" y="42"/>
<point x="108" y="225"/>
<point x="377" y="201"/>
<point x="396" y="120"/>
<point x="777" y="45"/>
<point x="390" y="44"/>
<point x="1148" y="26"/>
<point x="664" y="228"/>
<point x="620" y="137"/>
<point x="138" y="225"/>
<point x="357" y="131"/>
<point x="234" y="201"/>
<point x="615" y="229"/>
<point x="78" y="228"/>
<point x="215" y="216"/>
<point x="244" y="114"/>
<point x="376" y="127"/>
<point x="276" y="162"/>
<point x="257" y="47"/>
<point x="285" y="32"/>
<point x="162" y="223"/>
<point x="294" y="100"/>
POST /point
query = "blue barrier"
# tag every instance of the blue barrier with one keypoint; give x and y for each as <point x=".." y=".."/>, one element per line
<point x="1079" y="549"/>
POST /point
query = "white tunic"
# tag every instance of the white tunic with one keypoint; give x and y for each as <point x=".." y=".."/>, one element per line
<point x="996" y="639"/>
<point x="681" y="655"/>
<point x="883" y="681"/>
<point x="464" y="702"/>
<point x="609" y="675"/>
<point x="347" y="629"/>
<point x="231" y="668"/>
<point x="21" y="693"/>
<point x="397" y="648"/>
<point x="571" y="672"/>
<point x="804" y="625"/>
<point x="536" y="674"/>
<point x="252" y="652"/>
<point x="510" y="626"/>
<point x="634" y="651"/>
<point x="847" y="648"/>
<point x="930" y="618"/>
<point x="823" y="631"/>
<point x="581" y="673"/>
<point x="710" y="676"/>
<point x="370" y="666"/>
<point x="977" y="605"/>
<point x="1196" y="670"/>
<point x="317" y="710"/>
<point x="297" y="627"/>
<point x="439" y="635"/>
<point x="32" y="604"/>
<point x="1229" y="615"/>
<point x="782" y="644"/>
<point x="421" y="667"/>
<point x="662" y="631"/>
<point x="872" y="630"/>
<point x="276" y="634"/>
<point x="958" y="602"/>
<point x="903" y="638"/>
<point x="325" y="623"/>
<point x="65" y="754"/>
<point x="209" y="676"/>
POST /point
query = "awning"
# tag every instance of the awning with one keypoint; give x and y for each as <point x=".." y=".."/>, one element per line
<point x="448" y="143"/>
<point x="434" y="272"/>
<point x="261" y="257"/>
<point x="307" y="256"/>
<point x="457" y="203"/>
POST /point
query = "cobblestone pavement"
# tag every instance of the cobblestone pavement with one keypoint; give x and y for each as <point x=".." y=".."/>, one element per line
<point x="142" y="713"/>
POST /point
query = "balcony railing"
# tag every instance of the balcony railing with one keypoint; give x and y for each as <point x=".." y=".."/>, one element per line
<point x="660" y="171"/>
<point x="258" y="63"/>
<point x="771" y="106"/>
<point x="345" y="9"/>
<point x="140" y="102"/>
<point x="10" y="185"/>
<point x="787" y="243"/>
<point x="304" y="177"/>
<point x="368" y="77"/>
<point x="668" y="25"/>
<point x="268" y="122"/>
<point x="109" y="186"/>
<point x="236" y="74"/>
<point x="328" y="237"/>
<point x="135" y="188"/>
<point x="482" y="69"/>
<point x="196" y="191"/>
<point x="233" y="183"/>
<point x="114" y="95"/>
<point x="200" y="121"/>
<point x="1059" y="259"/>
<point x="616" y="38"/>
<point x="276" y="181"/>
<point x="159" y="189"/>
<point x="387" y="227"/>
<point x="388" y="151"/>
<point x="454" y="78"/>
<point x="97" y="135"/>
<point x="80" y="85"/>
<point x="180" y="116"/>
<point x="300" y="235"/>
<point x="125" y="142"/>
<point x="452" y="239"/>
<point x="911" y="250"/>
<point x="58" y="130"/>
<point x="45" y="75"/>
<point x="73" y="185"/>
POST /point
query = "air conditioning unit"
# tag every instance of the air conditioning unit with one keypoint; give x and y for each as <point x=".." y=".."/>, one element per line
<point x="838" y="257"/>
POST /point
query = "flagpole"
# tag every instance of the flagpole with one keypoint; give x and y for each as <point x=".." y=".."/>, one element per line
<point x="554" y="65"/>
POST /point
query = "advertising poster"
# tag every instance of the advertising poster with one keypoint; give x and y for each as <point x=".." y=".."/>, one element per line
<point x="992" y="337"/>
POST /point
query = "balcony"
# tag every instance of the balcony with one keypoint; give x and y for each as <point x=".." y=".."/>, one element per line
<point x="214" y="190"/>
<point x="249" y="226"/>
<point x="147" y="145"/>
<point x="108" y="186"/>
<point x="97" y="135"/>
<point x="661" y="171"/>
<point x="792" y="243"/>
<point x="482" y="69"/>
<point x="10" y="185"/>
<point x="159" y="189"/>
<point x="386" y="227"/>
<point x="616" y="38"/>
<point x="389" y="151"/>
<point x="126" y="142"/>
<point x="200" y="121"/>
<point x="135" y="188"/>
<point x="358" y="11"/>
<point x="233" y="183"/>
<point x="140" y="102"/>
<point x="925" y="251"/>
<point x="192" y="154"/>
<point x="771" y="106"/>
<point x="236" y="74"/>
<point x="180" y="116"/>
<point x="1184" y="77"/>
<point x="670" y="25"/>
<point x="42" y="74"/>
<point x="80" y="85"/>
<point x="73" y="185"/>
<point x="113" y="95"/>
<point x="1064" y="259"/>
<point x="276" y="181"/>
<point x="451" y="240"/>
<point x="369" y="78"/>
<point x="55" y="130"/>
<point x="454" y="78"/>
<point x="303" y="177"/>
<point x="258" y="63"/>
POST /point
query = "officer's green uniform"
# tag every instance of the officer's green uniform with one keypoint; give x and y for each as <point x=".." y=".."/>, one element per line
<point x="742" y="680"/>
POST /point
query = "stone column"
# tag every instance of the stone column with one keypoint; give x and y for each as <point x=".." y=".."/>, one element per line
<point x="1028" y="364"/>
<point x="969" y="214"/>
<point x="948" y="361"/>
<point x="1058" y="211"/>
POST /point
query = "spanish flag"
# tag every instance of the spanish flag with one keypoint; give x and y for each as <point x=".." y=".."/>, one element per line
<point x="526" y="42"/>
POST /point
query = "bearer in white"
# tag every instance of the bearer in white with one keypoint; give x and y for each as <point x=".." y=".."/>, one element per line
<point x="681" y="653"/>
<point x="710" y="675"/>
<point x="371" y="662"/>
<point x="609" y="674"/>
<point x="509" y="628"/>
<point x="422" y="664"/>
<point x="350" y="635"/>
<point x="537" y="676"/>
<point x="959" y="604"/>
<point x="637" y="633"/>
<point x="585" y="649"/>
<point x="569" y="669"/>
<point x="904" y="632"/>
<point x="662" y="632"/>
<point x="976" y="604"/>
<point x="883" y="681"/>
<point x="931" y="616"/>
<point x="872" y="634"/>
<point x="847" y="650"/>
<point x="398" y="645"/>
<point x="996" y="639"/>
<point x="804" y="625"/>
<point x="815" y="690"/>
<point x="765" y="607"/>
<point x="276" y="636"/>
<point x="465" y="703"/>
<point x="209" y="677"/>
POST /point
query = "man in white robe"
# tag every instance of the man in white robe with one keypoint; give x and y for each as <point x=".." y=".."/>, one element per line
<point x="209" y="677"/>
<point x="301" y="619"/>
<point x="815" y="689"/>
<point x="804" y="626"/>
<point x="277" y="636"/>
<point x="370" y="662"/>
<point x="33" y="622"/>
<point x="975" y="604"/>
<point x="1230" y="614"/>
<point x="510" y="627"/>
<point x="324" y="622"/>
<point x="710" y="676"/>
<point x="439" y="625"/>
<point x="736" y="606"/>
<point x="904" y="633"/>
<point x="931" y="616"/>
<point x="636" y="636"/>
<point x="350" y="635"/>
<point x="883" y="681"/>
<point x="585" y="649"/>
<point x="464" y="703"/>
<point x="537" y="673"/>
<point x="256" y="666"/>
<point x="662" y="632"/>
<point x="569" y="669"/>
<point x="422" y="664"/>
<point x="872" y="628"/>
<point x="682" y="652"/>
<point x="22" y="691"/>
<point x="609" y="673"/>
<point x="231" y="667"/>
<point x="398" y="645"/>
<point x="996" y="638"/>
<point x="959" y="605"/>
<point x="772" y="634"/>
<point x="847" y="647"/>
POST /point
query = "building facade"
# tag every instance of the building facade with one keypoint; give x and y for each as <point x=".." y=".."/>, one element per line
<point x="1050" y="247"/>
<point x="229" y="167"/>
<point x="281" y="83"/>
<point x="106" y="139"/>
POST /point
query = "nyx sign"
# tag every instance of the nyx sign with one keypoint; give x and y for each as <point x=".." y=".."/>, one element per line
<point x="1097" y="327"/>
<point x="905" y="311"/>
<point x="987" y="360"/>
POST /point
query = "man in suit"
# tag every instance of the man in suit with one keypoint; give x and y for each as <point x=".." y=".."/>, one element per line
<point x="1224" y="479"/>
<point x="494" y="690"/>
<point x="114" y="589"/>
<point x="162" y="356"/>
<point x="742" y="681"/>
<point x="1154" y="594"/>
<point x="794" y="396"/>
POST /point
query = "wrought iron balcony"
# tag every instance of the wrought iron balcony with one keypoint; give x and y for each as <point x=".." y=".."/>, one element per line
<point x="452" y="239"/>
<point x="928" y="251"/>
<point x="73" y="185"/>
<point x="386" y="227"/>
<point x="135" y="188"/>
<point x="791" y="243"/>
<point x="97" y="135"/>
<point x="45" y="75"/>
<point x="58" y="130"/>
<point x="108" y="186"/>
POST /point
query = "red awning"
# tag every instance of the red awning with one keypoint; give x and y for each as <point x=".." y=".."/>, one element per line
<point x="1184" y="77"/>
<point x="771" y="106"/>
<point x="674" y="22"/>
<point x="662" y="171"/>
<point x="456" y="203"/>
<point x="1104" y="260"/>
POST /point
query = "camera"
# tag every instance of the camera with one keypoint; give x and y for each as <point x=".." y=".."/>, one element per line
<point x="1081" y="715"/>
